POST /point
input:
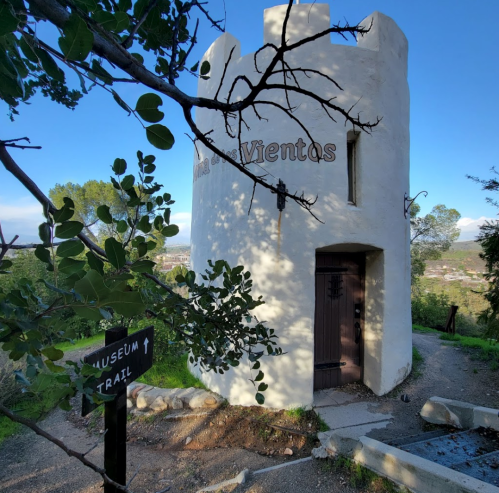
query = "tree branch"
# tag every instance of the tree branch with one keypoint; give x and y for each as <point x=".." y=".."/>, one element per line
<point x="72" y="453"/>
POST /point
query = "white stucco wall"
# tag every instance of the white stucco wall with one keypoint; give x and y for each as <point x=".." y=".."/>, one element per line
<point x="374" y="76"/>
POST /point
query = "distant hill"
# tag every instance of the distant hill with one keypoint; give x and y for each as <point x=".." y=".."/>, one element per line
<point x="466" y="245"/>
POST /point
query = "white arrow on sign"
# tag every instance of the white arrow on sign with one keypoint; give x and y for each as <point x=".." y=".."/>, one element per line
<point x="146" y="342"/>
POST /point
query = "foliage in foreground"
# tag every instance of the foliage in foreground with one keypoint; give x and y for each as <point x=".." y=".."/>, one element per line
<point x="116" y="284"/>
<point x="489" y="241"/>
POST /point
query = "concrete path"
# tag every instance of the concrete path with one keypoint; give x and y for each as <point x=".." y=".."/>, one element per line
<point x="346" y="412"/>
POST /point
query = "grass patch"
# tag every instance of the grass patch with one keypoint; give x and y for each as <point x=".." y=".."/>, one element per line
<point x="485" y="350"/>
<point x="171" y="373"/>
<point x="296" y="412"/>
<point x="34" y="407"/>
<point x="8" y="428"/>
<point x="424" y="330"/>
<point x="80" y="343"/>
<point x="417" y="362"/>
<point x="361" y="477"/>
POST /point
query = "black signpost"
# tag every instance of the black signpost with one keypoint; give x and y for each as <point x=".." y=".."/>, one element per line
<point x="128" y="357"/>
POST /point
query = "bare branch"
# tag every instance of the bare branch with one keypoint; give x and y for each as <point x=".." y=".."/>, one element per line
<point x="72" y="453"/>
<point x="224" y="72"/>
<point x="129" y="40"/>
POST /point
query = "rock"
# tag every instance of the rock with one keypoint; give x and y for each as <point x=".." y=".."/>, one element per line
<point x="129" y="389"/>
<point x="144" y="400"/>
<point x="188" y="440"/>
<point x="129" y="404"/>
<point x="320" y="453"/>
<point x="176" y="403"/>
<point x="136" y="390"/>
<point x="186" y="394"/>
<point x="405" y="398"/>
<point x="202" y="398"/>
<point x="210" y="401"/>
<point x="440" y="411"/>
<point x="288" y="451"/>
<point x="159" y="404"/>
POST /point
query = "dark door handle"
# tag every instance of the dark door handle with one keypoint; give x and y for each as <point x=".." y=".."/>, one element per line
<point x="358" y="332"/>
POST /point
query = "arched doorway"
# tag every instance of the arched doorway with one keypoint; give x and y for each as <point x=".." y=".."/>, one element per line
<point x="339" y="318"/>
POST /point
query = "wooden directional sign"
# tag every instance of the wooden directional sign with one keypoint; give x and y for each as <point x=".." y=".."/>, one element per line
<point x="127" y="359"/>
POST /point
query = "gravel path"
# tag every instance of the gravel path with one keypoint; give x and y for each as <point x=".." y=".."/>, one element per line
<point x="30" y="464"/>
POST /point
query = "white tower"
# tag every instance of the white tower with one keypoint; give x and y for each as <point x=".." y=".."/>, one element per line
<point x="338" y="293"/>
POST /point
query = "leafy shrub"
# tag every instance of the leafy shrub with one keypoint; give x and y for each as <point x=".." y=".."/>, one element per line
<point x="431" y="310"/>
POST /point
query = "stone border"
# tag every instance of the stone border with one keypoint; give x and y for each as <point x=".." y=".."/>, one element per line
<point x="148" y="399"/>
<point x="416" y="473"/>
<point x="440" y="411"/>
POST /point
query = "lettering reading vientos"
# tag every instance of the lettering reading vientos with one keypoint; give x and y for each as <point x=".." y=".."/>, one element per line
<point x="256" y="152"/>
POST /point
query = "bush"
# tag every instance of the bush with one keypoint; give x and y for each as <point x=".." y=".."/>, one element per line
<point x="431" y="310"/>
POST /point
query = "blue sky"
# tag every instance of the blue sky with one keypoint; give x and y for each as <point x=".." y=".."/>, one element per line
<point x="453" y="74"/>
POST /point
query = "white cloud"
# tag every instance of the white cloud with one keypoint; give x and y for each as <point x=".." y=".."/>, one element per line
<point x="21" y="216"/>
<point x="469" y="227"/>
<point x="183" y="221"/>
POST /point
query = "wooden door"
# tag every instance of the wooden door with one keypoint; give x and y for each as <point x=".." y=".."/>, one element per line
<point x="339" y="310"/>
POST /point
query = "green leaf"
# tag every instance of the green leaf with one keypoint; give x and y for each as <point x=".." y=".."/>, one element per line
<point x="190" y="278"/>
<point x="158" y="223"/>
<point x="128" y="303"/>
<point x="122" y="226"/>
<point x="66" y="212"/>
<point x="119" y="166"/>
<point x="106" y="20"/>
<point x="52" y="353"/>
<point x="49" y="65"/>
<point x="8" y="22"/>
<point x="170" y="231"/>
<point x="28" y="50"/>
<point x="68" y="230"/>
<point x="205" y="67"/>
<point x="70" y="265"/>
<point x="138" y="57"/>
<point x="260" y="398"/>
<point x="127" y="182"/>
<point x="122" y="21"/>
<point x="101" y="73"/>
<point x="262" y="387"/>
<point x="143" y="266"/>
<point x="142" y="249"/>
<point x="44" y="233"/>
<point x="86" y="5"/>
<point x="5" y="264"/>
<point x="147" y="107"/>
<point x="42" y="254"/>
<point x="159" y="136"/>
<point x="57" y="369"/>
<point x="167" y="214"/>
<point x="120" y="101"/>
<point x="77" y="40"/>
<point x="95" y="263"/>
<point x="104" y="214"/>
<point x="115" y="253"/>
<point x="144" y="225"/>
<point x="260" y="376"/>
<point x="70" y="248"/>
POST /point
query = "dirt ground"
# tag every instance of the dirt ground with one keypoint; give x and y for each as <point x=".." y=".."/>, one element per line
<point x="224" y="443"/>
